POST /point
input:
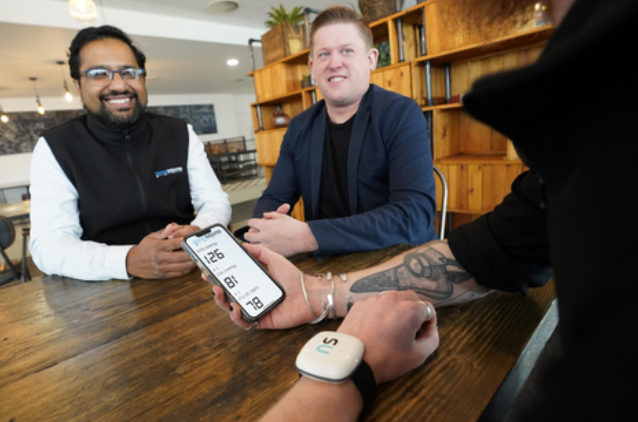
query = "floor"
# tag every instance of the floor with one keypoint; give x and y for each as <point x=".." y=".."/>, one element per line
<point x="242" y="196"/>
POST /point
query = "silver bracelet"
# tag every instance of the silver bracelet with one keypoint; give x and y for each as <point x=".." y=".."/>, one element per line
<point x="305" y="295"/>
<point x="330" y="297"/>
<point x="320" y="317"/>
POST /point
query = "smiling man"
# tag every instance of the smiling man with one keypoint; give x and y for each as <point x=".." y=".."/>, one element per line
<point x="115" y="190"/>
<point x="360" y="158"/>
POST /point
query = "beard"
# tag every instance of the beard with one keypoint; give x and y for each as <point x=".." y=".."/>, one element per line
<point x="115" y="121"/>
<point x="489" y="18"/>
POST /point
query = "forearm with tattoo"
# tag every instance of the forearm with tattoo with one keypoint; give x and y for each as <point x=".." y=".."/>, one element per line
<point x="427" y="272"/>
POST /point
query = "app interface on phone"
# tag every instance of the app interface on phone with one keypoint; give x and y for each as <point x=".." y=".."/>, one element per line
<point x="242" y="277"/>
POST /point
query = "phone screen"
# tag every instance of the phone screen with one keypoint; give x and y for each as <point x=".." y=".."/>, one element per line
<point x="238" y="273"/>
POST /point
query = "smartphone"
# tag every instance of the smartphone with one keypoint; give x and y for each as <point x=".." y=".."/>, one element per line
<point x="228" y="265"/>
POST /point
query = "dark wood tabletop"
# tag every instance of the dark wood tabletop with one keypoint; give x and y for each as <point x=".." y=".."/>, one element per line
<point x="162" y="351"/>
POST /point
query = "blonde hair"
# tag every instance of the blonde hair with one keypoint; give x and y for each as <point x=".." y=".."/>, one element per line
<point x="341" y="14"/>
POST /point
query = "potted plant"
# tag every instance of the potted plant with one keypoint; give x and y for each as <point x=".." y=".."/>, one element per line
<point x="286" y="35"/>
<point x="279" y="14"/>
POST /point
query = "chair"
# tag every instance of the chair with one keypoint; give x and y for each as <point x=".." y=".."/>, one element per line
<point x="443" y="202"/>
<point x="7" y="237"/>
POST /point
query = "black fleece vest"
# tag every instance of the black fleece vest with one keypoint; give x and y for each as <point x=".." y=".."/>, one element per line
<point x="130" y="182"/>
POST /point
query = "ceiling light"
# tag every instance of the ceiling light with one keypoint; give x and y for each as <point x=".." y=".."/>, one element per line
<point x="232" y="62"/>
<point x="67" y="94"/>
<point x="37" y="97"/>
<point x="83" y="11"/>
<point x="220" y="7"/>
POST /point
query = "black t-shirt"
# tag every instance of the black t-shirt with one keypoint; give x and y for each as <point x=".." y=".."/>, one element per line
<point x="333" y="199"/>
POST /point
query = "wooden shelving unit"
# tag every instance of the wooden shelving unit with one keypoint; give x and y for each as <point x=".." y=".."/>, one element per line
<point x="430" y="63"/>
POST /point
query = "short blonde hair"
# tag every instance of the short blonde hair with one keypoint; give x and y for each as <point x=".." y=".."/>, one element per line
<point x="341" y="14"/>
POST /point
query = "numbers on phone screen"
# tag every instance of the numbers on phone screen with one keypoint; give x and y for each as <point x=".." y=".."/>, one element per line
<point x="231" y="281"/>
<point x="255" y="303"/>
<point x="213" y="256"/>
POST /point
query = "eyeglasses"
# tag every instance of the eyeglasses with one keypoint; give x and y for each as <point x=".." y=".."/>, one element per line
<point x="106" y="75"/>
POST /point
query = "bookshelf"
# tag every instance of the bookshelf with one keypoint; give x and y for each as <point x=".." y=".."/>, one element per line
<point x="431" y="63"/>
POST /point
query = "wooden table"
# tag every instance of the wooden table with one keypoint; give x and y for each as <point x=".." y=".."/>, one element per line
<point x="16" y="210"/>
<point x="161" y="350"/>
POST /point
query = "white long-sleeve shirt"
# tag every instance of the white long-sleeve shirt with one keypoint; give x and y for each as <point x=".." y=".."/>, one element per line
<point x="56" y="245"/>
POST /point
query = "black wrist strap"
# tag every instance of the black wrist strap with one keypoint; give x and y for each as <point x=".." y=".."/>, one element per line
<point x="363" y="379"/>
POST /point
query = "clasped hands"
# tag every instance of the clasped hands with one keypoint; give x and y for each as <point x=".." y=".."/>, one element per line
<point x="393" y="326"/>
<point x="281" y="233"/>
<point x="160" y="254"/>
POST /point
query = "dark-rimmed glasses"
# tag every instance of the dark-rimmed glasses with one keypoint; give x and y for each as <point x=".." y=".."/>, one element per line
<point x="106" y="75"/>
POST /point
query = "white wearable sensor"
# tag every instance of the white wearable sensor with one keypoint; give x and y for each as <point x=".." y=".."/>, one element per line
<point x="335" y="358"/>
<point x="330" y="357"/>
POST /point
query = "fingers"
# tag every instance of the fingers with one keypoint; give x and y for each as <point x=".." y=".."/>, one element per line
<point x="235" y="316"/>
<point x="283" y="209"/>
<point x="172" y="245"/>
<point x="233" y="310"/>
<point x="160" y="234"/>
<point x="253" y="235"/>
<point x="220" y="298"/>
<point x="169" y="229"/>
<point x="255" y="223"/>
<point x="427" y="339"/>
<point x="274" y="215"/>
<point x="258" y="252"/>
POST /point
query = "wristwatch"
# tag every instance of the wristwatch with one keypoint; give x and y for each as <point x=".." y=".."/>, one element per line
<point x="335" y="358"/>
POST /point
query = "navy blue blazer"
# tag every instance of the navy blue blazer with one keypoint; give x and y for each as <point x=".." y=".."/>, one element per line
<point x="390" y="179"/>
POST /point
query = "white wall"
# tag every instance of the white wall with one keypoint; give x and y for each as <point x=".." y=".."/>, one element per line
<point x="14" y="175"/>
<point x="244" y="118"/>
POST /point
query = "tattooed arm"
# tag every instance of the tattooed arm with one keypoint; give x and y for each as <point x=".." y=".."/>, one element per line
<point x="429" y="270"/>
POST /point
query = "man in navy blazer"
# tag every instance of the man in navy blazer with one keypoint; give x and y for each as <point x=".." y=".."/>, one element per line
<point x="360" y="158"/>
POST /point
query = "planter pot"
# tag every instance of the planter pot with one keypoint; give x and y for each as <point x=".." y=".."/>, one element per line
<point x="282" y="41"/>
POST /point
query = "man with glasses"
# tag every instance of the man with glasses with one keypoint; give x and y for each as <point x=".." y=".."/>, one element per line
<point x="115" y="190"/>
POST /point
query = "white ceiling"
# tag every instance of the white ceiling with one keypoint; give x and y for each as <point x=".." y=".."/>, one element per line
<point x="186" y="47"/>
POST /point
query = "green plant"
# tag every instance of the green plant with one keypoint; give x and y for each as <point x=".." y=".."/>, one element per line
<point x="279" y="14"/>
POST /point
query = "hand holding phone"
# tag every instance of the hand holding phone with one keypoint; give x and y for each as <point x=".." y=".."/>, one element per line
<point x="228" y="265"/>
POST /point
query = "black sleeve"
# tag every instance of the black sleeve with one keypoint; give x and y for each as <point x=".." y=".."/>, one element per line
<point x="507" y="249"/>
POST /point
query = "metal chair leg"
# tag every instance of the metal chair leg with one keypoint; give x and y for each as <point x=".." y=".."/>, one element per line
<point x="444" y="202"/>
<point x="24" y="273"/>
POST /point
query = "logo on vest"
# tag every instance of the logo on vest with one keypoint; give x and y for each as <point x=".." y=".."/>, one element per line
<point x="166" y="172"/>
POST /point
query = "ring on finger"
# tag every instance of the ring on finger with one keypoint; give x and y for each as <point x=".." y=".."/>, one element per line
<point x="427" y="306"/>
<point x="250" y="327"/>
